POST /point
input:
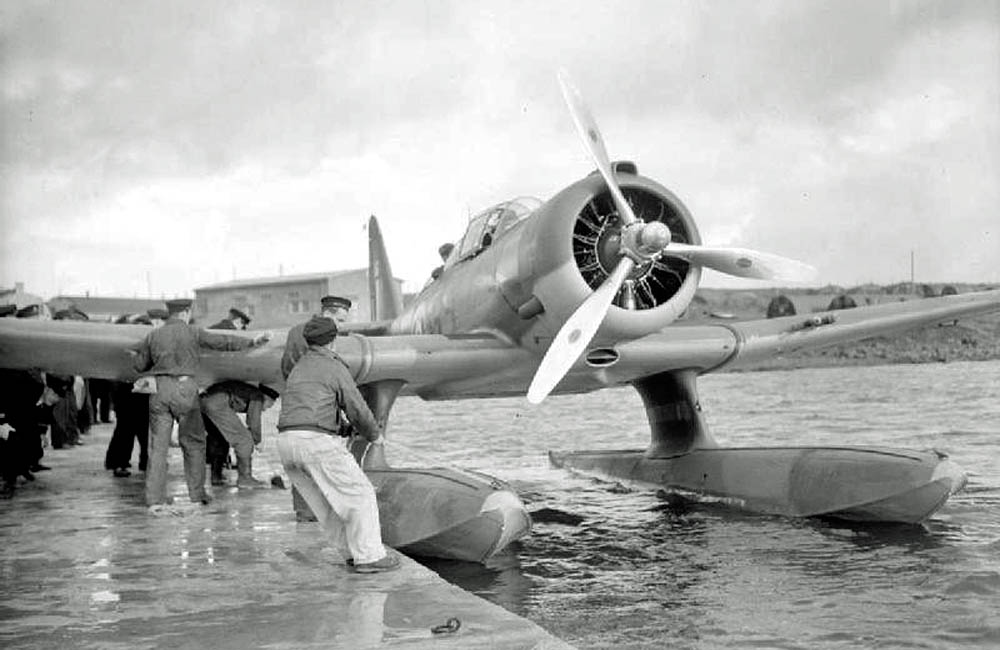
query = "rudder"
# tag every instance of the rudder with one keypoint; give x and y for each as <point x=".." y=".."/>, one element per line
<point x="386" y="299"/>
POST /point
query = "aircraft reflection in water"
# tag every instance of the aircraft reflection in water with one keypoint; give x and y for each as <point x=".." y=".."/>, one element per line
<point x="570" y="295"/>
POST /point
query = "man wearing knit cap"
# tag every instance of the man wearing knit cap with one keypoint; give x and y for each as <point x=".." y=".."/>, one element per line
<point x="316" y="458"/>
<point x="170" y="354"/>
<point x="335" y="308"/>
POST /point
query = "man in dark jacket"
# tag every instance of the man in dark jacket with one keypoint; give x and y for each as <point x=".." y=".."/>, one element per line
<point x="170" y="355"/>
<point x="318" y="391"/>
<point x="216" y="446"/>
<point x="336" y="309"/>
<point x="25" y="407"/>
<point x="131" y="416"/>
<point x="220" y="405"/>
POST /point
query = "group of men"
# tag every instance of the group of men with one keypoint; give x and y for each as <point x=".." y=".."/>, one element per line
<point x="167" y="359"/>
<point x="32" y="402"/>
<point x="321" y="404"/>
<point x="322" y="410"/>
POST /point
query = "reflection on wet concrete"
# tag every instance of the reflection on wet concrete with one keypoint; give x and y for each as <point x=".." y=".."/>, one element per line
<point x="85" y="566"/>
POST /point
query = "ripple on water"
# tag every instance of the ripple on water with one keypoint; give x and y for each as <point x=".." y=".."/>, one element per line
<point x="639" y="571"/>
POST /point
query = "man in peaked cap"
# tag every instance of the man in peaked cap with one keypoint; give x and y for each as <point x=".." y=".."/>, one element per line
<point x="335" y="308"/>
<point x="157" y="316"/>
<point x="316" y="457"/>
<point x="170" y="354"/>
<point x="217" y="445"/>
<point x="237" y="320"/>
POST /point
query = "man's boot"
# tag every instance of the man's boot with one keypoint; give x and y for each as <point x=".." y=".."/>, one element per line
<point x="217" y="477"/>
<point x="244" y="468"/>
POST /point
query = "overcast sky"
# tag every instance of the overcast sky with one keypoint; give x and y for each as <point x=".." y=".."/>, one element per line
<point x="155" y="147"/>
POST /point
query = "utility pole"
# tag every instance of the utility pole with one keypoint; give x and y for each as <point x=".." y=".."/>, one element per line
<point x="912" y="285"/>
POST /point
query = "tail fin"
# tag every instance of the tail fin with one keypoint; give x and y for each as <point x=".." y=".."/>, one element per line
<point x="386" y="299"/>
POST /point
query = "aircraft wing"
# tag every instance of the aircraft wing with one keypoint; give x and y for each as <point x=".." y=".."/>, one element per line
<point x="101" y="350"/>
<point x="764" y="338"/>
<point x="746" y="343"/>
<point x="436" y="366"/>
<point x="445" y="367"/>
<point x="433" y="366"/>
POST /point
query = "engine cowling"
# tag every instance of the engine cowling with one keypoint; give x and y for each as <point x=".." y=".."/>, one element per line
<point x="574" y="247"/>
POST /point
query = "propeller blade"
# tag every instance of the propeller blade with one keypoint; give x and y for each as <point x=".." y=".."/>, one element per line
<point x="586" y="126"/>
<point x="742" y="262"/>
<point x="576" y="333"/>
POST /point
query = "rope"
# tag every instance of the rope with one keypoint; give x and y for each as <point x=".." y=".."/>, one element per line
<point x="428" y="462"/>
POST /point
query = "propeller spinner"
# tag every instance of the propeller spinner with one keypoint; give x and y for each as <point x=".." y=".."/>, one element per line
<point x="640" y="242"/>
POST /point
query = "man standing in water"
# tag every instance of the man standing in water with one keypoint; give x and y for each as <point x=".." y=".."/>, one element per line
<point x="316" y="457"/>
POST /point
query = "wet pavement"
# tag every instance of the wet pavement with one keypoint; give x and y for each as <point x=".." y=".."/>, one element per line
<point x="84" y="565"/>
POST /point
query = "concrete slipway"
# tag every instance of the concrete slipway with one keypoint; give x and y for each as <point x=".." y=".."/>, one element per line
<point x="85" y="566"/>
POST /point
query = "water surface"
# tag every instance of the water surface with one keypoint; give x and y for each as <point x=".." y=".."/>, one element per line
<point x="637" y="569"/>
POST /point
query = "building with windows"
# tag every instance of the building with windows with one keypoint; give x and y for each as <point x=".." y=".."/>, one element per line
<point x="284" y="300"/>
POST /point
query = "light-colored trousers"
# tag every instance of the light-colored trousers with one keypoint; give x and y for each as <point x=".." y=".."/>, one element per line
<point x="326" y="474"/>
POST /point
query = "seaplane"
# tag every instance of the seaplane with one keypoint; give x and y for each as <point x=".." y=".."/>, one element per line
<point x="579" y="293"/>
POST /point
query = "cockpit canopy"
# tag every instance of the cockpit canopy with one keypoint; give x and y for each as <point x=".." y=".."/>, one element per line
<point x="491" y="224"/>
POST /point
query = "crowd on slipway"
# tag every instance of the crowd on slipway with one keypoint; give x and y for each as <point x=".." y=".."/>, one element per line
<point x="321" y="412"/>
<point x="43" y="411"/>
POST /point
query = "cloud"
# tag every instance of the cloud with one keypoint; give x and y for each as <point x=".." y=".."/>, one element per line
<point x="188" y="140"/>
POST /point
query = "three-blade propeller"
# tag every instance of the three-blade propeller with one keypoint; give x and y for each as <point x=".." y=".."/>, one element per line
<point x="639" y="242"/>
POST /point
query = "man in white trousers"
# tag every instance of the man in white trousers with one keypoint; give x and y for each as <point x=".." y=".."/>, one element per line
<point x="315" y="455"/>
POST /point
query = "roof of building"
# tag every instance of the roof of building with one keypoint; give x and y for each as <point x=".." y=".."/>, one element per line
<point x="280" y="279"/>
